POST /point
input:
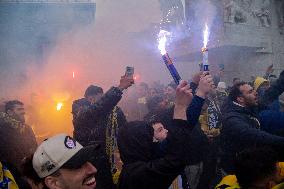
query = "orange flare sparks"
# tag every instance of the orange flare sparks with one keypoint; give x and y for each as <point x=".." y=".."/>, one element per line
<point x="59" y="106"/>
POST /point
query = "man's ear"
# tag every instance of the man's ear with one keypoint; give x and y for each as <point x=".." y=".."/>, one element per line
<point x="52" y="182"/>
<point x="240" y="99"/>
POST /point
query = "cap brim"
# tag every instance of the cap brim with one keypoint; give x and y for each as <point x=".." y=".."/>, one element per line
<point x="86" y="154"/>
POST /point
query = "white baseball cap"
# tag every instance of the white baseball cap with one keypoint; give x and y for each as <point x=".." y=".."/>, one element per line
<point x="60" y="151"/>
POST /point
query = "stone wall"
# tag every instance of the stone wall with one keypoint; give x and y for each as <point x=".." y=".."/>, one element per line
<point x="246" y="36"/>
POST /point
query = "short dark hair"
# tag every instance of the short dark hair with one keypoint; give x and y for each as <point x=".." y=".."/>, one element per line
<point x="10" y="105"/>
<point x="236" y="78"/>
<point x="255" y="164"/>
<point x="93" y="90"/>
<point x="235" y="91"/>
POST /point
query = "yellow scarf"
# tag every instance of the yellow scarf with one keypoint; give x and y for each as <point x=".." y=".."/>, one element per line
<point x="7" y="180"/>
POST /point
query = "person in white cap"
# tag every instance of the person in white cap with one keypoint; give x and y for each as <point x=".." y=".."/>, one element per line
<point x="60" y="162"/>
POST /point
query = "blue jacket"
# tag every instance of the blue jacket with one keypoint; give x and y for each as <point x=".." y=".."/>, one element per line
<point x="271" y="121"/>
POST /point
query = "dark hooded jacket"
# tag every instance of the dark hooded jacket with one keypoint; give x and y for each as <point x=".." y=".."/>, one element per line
<point x="142" y="169"/>
<point x="241" y="127"/>
<point x="241" y="130"/>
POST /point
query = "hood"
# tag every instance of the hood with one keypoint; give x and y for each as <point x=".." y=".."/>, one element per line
<point x="135" y="142"/>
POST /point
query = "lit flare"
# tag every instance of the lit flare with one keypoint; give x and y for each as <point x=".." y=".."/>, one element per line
<point x="206" y="34"/>
<point x="59" y="106"/>
<point x="162" y="39"/>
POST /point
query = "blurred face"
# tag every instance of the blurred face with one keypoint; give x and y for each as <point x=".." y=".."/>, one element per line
<point x="170" y="91"/>
<point x="82" y="178"/>
<point x="160" y="133"/>
<point x="249" y="97"/>
<point x="153" y="92"/>
<point x="213" y="91"/>
<point x="142" y="90"/>
<point x="163" y="105"/>
<point x="236" y="81"/>
<point x="18" y="113"/>
<point x="94" y="98"/>
<point x="221" y="73"/>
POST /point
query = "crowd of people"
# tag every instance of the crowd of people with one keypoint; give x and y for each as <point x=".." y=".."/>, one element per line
<point x="200" y="134"/>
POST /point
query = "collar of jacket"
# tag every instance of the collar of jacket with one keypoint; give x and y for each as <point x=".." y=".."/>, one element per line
<point x="238" y="104"/>
<point x="241" y="109"/>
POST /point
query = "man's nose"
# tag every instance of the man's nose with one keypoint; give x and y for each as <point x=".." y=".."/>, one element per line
<point x="90" y="168"/>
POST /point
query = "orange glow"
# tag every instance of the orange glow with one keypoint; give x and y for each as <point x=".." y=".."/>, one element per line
<point x="59" y="106"/>
<point x="136" y="77"/>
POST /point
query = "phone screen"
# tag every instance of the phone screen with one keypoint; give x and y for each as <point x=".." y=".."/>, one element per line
<point x="129" y="71"/>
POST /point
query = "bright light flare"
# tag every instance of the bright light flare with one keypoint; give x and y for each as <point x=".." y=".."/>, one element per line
<point x="206" y="34"/>
<point x="136" y="77"/>
<point x="162" y="39"/>
<point x="59" y="106"/>
<point x="73" y="75"/>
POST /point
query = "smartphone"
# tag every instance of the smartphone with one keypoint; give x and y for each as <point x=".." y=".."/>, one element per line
<point x="129" y="71"/>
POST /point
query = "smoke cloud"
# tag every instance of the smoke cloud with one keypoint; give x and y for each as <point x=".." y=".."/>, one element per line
<point x="97" y="52"/>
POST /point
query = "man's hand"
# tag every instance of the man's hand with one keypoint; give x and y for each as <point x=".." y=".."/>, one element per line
<point x="205" y="85"/>
<point x="125" y="82"/>
<point x="269" y="70"/>
<point x="196" y="77"/>
<point x="183" y="94"/>
<point x="183" y="99"/>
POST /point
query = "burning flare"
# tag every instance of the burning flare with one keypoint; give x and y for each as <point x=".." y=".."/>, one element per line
<point x="73" y="75"/>
<point x="59" y="106"/>
<point x="162" y="38"/>
<point x="205" y="49"/>
<point x="206" y="34"/>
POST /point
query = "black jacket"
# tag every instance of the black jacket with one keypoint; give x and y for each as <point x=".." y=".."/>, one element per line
<point x="141" y="169"/>
<point x="240" y="130"/>
<point x="90" y="121"/>
<point x="96" y="124"/>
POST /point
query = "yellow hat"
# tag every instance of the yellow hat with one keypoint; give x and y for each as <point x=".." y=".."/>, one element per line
<point x="258" y="81"/>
